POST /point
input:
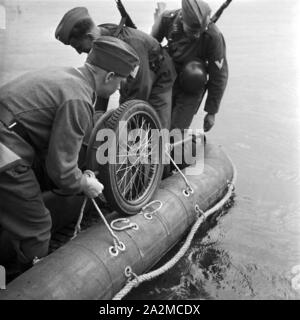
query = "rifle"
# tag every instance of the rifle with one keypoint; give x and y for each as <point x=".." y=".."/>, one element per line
<point x="218" y="13"/>
<point x="127" y="20"/>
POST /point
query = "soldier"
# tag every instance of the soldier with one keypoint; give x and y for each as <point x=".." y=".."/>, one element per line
<point x="47" y="114"/>
<point x="156" y="75"/>
<point x="197" y="48"/>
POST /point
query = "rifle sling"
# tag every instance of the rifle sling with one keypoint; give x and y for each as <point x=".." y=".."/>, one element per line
<point x="120" y="27"/>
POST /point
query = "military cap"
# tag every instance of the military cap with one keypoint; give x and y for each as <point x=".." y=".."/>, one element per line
<point x="196" y="14"/>
<point x="113" y="54"/>
<point x="67" y="23"/>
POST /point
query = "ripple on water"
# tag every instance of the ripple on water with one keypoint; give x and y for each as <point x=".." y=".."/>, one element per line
<point x="287" y="175"/>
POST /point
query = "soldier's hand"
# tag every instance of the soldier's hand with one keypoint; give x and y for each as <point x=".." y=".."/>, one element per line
<point x="91" y="187"/>
<point x="209" y="121"/>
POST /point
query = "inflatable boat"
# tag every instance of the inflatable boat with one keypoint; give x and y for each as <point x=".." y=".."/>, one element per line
<point x="87" y="268"/>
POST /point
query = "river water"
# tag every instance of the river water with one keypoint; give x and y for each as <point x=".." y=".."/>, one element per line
<point x="252" y="250"/>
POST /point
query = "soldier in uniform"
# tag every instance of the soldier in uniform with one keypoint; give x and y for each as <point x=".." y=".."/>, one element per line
<point x="199" y="53"/>
<point x="156" y="75"/>
<point x="47" y="114"/>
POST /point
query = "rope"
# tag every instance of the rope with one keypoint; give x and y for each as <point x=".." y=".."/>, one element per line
<point x="118" y="245"/>
<point x="202" y="216"/>
<point x="149" y="215"/>
<point x="130" y="225"/>
<point x="190" y="189"/>
<point x="78" y="224"/>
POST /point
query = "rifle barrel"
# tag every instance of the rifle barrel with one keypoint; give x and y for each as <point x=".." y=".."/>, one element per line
<point x="219" y="12"/>
<point x="124" y="14"/>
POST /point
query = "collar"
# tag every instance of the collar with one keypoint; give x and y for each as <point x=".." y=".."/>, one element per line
<point x="88" y="76"/>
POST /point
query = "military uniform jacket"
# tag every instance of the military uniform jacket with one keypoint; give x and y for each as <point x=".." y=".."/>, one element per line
<point x="55" y="107"/>
<point x="210" y="48"/>
<point x="150" y="54"/>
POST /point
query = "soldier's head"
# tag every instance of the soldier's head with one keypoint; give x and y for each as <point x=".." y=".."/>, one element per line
<point x="77" y="29"/>
<point x="110" y="61"/>
<point x="195" y="17"/>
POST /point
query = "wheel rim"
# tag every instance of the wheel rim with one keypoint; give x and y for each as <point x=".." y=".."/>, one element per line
<point x="136" y="169"/>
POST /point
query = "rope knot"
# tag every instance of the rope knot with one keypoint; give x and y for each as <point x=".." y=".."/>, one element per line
<point x="199" y="211"/>
<point x="118" y="246"/>
<point x="230" y="185"/>
<point x="131" y="276"/>
<point x="149" y="215"/>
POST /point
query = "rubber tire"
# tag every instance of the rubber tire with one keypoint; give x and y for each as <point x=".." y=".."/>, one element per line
<point x="91" y="161"/>
<point x="106" y="172"/>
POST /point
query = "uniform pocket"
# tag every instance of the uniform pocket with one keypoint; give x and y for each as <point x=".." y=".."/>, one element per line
<point x="23" y="182"/>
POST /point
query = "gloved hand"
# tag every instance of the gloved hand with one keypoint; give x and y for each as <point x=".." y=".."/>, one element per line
<point x="209" y="121"/>
<point x="91" y="187"/>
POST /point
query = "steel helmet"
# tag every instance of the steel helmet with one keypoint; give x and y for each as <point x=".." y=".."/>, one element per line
<point x="193" y="76"/>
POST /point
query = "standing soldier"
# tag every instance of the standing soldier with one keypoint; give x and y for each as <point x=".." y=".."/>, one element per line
<point x="47" y="114"/>
<point x="199" y="53"/>
<point x="156" y="75"/>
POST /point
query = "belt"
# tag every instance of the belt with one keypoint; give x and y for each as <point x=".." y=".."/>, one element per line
<point x="9" y="120"/>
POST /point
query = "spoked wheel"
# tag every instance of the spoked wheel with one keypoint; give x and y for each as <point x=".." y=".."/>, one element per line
<point x="133" y="176"/>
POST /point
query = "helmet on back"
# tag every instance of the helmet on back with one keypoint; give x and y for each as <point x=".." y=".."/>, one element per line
<point x="193" y="77"/>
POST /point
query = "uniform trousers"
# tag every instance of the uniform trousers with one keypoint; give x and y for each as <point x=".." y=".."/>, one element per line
<point x="25" y="221"/>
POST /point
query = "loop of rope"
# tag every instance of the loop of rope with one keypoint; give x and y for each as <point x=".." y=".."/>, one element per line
<point x="130" y="225"/>
<point x="131" y="276"/>
<point x="231" y="185"/>
<point x="114" y="250"/>
<point x="199" y="211"/>
<point x="187" y="192"/>
<point x="149" y="215"/>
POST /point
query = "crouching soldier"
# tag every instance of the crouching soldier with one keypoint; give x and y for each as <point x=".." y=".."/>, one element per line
<point x="47" y="114"/>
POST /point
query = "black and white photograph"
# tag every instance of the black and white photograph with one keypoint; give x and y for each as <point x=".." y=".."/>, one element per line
<point x="149" y="150"/>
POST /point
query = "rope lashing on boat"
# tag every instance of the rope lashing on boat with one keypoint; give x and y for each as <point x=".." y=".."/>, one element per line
<point x="134" y="280"/>
<point x="189" y="190"/>
<point x="149" y="214"/>
<point x="130" y="275"/>
<point x="126" y="222"/>
<point x="118" y="244"/>
<point x="198" y="210"/>
<point x="79" y="220"/>
<point x="132" y="225"/>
